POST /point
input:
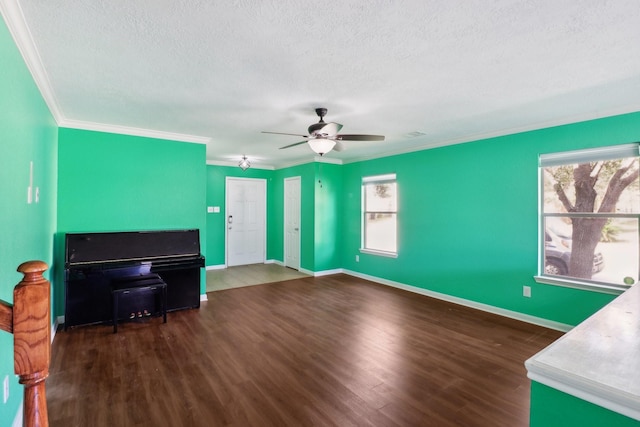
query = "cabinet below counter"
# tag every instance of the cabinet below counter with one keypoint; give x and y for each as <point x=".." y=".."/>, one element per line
<point x="598" y="362"/>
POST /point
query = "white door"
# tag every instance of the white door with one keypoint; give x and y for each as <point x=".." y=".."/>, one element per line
<point x="292" y="222"/>
<point x="246" y="214"/>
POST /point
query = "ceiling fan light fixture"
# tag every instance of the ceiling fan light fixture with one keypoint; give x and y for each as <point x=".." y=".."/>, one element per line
<point x="323" y="137"/>
<point x="244" y="163"/>
<point x="321" y="145"/>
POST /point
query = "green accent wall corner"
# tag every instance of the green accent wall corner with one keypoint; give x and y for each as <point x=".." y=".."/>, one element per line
<point x="327" y="217"/>
<point x="111" y="182"/>
<point x="320" y="213"/>
<point x="28" y="157"/>
<point x="468" y="215"/>
<point x="468" y="218"/>
<point x="216" y="196"/>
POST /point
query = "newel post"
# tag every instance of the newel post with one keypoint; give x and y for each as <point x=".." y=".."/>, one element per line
<point x="32" y="340"/>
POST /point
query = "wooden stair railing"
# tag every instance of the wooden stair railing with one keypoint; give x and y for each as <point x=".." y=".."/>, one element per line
<point x="29" y="320"/>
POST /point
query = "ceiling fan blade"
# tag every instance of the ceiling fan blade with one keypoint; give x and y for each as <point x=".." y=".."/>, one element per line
<point x="360" y="137"/>
<point x="324" y="129"/>
<point x="281" y="133"/>
<point x="293" y="145"/>
<point x="330" y="129"/>
<point x="339" y="146"/>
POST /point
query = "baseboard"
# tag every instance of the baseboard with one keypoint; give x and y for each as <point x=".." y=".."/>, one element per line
<point x="563" y="327"/>
<point x="324" y="272"/>
<point x="223" y="266"/>
<point x="467" y="303"/>
<point x="18" y="421"/>
<point x="54" y="327"/>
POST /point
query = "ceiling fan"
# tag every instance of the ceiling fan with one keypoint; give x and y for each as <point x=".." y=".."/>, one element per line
<point x="324" y="137"/>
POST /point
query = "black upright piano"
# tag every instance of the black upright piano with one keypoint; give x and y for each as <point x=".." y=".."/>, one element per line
<point x="94" y="260"/>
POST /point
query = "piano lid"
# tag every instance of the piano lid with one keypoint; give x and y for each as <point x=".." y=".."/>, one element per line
<point x="91" y="248"/>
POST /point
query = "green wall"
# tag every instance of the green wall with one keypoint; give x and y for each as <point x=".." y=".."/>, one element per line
<point x="216" y="179"/>
<point x="307" y="174"/>
<point x="28" y="133"/>
<point x="467" y="213"/>
<point x="553" y="408"/>
<point x="468" y="218"/>
<point x="110" y="182"/>
<point x="216" y="196"/>
<point x="320" y="220"/>
<point x="327" y="217"/>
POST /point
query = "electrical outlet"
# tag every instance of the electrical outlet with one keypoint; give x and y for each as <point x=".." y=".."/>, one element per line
<point x="357" y="258"/>
<point x="6" y="389"/>
<point x="526" y="291"/>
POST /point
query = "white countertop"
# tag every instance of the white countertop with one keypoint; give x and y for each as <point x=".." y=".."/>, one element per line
<point x="598" y="360"/>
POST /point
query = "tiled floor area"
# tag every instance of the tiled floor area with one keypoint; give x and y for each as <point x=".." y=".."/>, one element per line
<point x="247" y="275"/>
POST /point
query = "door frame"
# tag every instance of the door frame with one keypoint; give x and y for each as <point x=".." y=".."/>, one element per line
<point x="284" y="252"/>
<point x="226" y="216"/>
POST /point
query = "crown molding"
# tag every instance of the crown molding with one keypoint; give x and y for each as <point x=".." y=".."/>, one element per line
<point x="125" y="130"/>
<point x="304" y="161"/>
<point x="14" y="18"/>
<point x="316" y="159"/>
<point x="322" y="159"/>
<point x="629" y="109"/>
<point x="234" y="164"/>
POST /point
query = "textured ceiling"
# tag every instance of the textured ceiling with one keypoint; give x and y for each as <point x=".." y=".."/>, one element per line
<point x="222" y="71"/>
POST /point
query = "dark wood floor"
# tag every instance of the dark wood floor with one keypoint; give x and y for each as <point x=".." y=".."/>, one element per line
<point x="329" y="351"/>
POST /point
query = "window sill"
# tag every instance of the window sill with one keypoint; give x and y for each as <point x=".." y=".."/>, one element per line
<point x="582" y="285"/>
<point x="380" y="253"/>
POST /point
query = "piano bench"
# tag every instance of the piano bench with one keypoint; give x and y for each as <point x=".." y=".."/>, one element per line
<point x="133" y="285"/>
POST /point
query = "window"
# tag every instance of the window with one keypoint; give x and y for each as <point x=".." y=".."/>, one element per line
<point x="589" y="219"/>
<point x="379" y="215"/>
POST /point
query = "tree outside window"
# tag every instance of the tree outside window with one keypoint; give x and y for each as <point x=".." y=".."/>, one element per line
<point x="590" y="215"/>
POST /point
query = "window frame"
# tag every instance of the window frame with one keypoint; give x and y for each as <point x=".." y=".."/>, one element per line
<point x="569" y="158"/>
<point x="377" y="179"/>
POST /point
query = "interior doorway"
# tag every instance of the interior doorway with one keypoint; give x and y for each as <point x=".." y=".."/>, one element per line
<point x="246" y="220"/>
<point x="292" y="222"/>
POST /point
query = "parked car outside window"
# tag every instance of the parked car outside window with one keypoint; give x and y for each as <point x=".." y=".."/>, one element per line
<point x="557" y="254"/>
